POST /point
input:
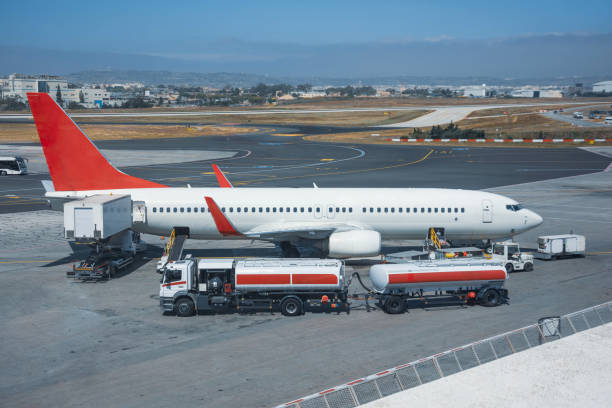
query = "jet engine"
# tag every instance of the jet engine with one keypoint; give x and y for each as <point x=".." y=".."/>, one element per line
<point x="353" y="243"/>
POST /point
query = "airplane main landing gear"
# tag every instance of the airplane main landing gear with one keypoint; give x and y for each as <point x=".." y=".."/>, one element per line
<point x="289" y="250"/>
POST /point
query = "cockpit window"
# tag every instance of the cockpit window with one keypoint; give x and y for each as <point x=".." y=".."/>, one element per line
<point x="514" y="207"/>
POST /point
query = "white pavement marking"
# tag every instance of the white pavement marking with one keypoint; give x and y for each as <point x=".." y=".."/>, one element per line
<point x="570" y="372"/>
<point x="447" y="114"/>
<point x="119" y="158"/>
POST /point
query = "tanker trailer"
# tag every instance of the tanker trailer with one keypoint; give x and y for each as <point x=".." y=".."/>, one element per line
<point x="472" y="281"/>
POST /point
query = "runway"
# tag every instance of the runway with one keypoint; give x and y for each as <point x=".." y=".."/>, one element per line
<point x="441" y="115"/>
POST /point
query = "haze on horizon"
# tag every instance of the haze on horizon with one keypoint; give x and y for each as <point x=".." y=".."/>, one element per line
<point x="316" y="38"/>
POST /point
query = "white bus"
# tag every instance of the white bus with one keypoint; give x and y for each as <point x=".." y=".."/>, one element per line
<point x="12" y="165"/>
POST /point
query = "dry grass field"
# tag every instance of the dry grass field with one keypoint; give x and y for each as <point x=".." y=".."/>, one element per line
<point x="17" y="132"/>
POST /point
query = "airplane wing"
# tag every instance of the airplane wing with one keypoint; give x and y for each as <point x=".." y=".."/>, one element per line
<point x="285" y="231"/>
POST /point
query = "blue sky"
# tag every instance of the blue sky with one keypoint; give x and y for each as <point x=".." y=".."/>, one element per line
<point x="311" y="37"/>
<point x="164" y="26"/>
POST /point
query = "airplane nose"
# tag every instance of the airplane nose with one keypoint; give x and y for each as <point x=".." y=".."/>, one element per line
<point x="534" y="219"/>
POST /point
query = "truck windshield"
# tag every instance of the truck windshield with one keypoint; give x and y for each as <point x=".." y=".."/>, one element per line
<point x="172" y="276"/>
<point x="498" y="249"/>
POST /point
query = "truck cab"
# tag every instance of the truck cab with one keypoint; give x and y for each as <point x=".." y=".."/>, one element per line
<point x="509" y="253"/>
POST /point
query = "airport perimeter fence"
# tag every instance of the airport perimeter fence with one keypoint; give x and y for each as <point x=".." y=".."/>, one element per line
<point x="432" y="368"/>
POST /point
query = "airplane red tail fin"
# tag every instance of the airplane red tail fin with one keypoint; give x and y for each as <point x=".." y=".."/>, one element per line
<point x="73" y="160"/>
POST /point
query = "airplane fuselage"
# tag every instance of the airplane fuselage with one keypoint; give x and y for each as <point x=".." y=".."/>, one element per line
<point x="397" y="213"/>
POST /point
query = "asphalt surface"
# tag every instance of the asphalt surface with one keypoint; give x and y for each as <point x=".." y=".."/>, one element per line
<point x="70" y="344"/>
<point x="264" y="160"/>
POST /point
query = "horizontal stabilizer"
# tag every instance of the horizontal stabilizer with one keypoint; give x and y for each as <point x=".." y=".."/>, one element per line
<point x="223" y="181"/>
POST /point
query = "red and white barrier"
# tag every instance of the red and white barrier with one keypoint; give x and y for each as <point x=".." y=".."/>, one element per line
<point x="500" y="140"/>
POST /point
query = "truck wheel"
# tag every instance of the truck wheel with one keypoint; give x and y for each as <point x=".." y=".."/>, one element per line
<point x="184" y="307"/>
<point x="395" y="305"/>
<point x="528" y="267"/>
<point x="291" y="307"/>
<point x="490" y="298"/>
<point x="509" y="267"/>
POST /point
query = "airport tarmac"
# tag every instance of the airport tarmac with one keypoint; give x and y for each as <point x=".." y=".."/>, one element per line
<point x="71" y="344"/>
<point x="265" y="160"/>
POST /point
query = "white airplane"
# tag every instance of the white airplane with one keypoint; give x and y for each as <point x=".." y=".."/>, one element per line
<point x="342" y="222"/>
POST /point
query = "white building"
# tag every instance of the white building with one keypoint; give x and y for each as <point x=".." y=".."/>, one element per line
<point x="605" y="86"/>
<point x="18" y="85"/>
<point x="475" y="91"/>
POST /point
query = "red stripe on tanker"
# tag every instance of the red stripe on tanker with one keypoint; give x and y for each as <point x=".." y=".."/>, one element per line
<point x="314" y="279"/>
<point x="274" y="274"/>
<point x="436" y="275"/>
<point x="492" y="274"/>
<point x="263" y="279"/>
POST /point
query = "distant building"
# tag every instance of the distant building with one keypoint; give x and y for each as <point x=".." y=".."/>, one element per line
<point x="475" y="91"/>
<point x="18" y="85"/>
<point x="605" y="86"/>
<point x="551" y="93"/>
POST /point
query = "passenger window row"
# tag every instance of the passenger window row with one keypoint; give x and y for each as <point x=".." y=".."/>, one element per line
<point x="407" y="210"/>
<point x="415" y="210"/>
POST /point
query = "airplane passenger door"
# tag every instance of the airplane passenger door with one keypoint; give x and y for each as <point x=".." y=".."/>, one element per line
<point x="329" y="211"/>
<point x="487" y="211"/>
<point x="139" y="212"/>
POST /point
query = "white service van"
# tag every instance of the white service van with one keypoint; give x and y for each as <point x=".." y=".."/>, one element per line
<point x="608" y="120"/>
<point x="12" y="165"/>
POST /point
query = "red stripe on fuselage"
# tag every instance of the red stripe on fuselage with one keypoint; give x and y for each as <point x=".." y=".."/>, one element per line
<point x="455" y="276"/>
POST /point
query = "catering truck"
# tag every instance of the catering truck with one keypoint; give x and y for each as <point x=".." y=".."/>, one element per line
<point x="291" y="286"/>
<point x="478" y="281"/>
<point x="558" y="246"/>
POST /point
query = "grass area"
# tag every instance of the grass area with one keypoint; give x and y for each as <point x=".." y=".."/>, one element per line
<point x="519" y="126"/>
<point x="17" y="132"/>
<point x="331" y="118"/>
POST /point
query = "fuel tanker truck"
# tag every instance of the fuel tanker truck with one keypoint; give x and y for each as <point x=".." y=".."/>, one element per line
<point x="291" y="286"/>
<point x="479" y="281"/>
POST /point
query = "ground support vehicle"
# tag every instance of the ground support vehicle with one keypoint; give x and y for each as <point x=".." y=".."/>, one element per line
<point x="97" y="217"/>
<point x="108" y="257"/>
<point x="13" y="165"/>
<point x="556" y="246"/>
<point x="101" y="266"/>
<point x="475" y="281"/>
<point x="509" y="253"/>
<point x="291" y="286"/>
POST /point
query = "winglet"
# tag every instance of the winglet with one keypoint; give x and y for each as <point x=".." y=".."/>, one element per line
<point x="223" y="181"/>
<point x="224" y="226"/>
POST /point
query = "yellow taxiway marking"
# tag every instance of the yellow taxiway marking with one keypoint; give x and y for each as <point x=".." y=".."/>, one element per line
<point x="599" y="253"/>
<point x="288" y="134"/>
<point x="349" y="171"/>
<point x="11" y="196"/>
<point x="327" y="159"/>
<point x="208" y="172"/>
